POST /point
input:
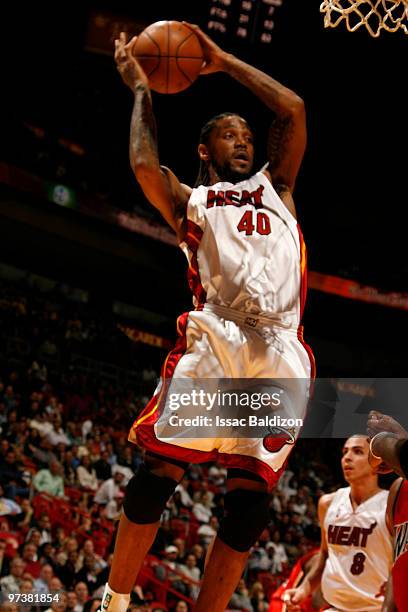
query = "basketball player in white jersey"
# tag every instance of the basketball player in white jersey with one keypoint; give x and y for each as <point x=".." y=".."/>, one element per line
<point x="356" y="544"/>
<point x="246" y="258"/>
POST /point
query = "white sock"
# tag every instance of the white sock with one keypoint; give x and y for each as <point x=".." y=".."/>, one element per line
<point x="114" y="602"/>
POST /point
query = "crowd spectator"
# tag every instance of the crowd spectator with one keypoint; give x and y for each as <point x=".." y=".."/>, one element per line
<point x="199" y="552"/>
<point x="57" y="435"/>
<point x="26" y="514"/>
<point x="43" y="527"/>
<point x="30" y="557"/>
<point x="86" y="474"/>
<point x="277" y="553"/>
<point x="88" y="549"/>
<point x="88" y="574"/>
<point x="207" y="532"/>
<point x="49" y="480"/>
<point x="102" y="467"/>
<point x="181" y="606"/>
<point x="169" y="571"/>
<point x="65" y="567"/>
<point x="59" y="603"/>
<point x="41" y="584"/>
<point x="8" y="506"/>
<point x="190" y="569"/>
<point x="12" y="582"/>
<point x="182" y="488"/>
<point x="240" y="599"/>
<point x="109" y="489"/>
<point x="163" y="538"/>
<point x="258" y="560"/>
<point x="202" y="509"/>
<point x="82" y="593"/>
<point x="72" y="602"/>
<point x="12" y="476"/>
<point x="258" y="598"/>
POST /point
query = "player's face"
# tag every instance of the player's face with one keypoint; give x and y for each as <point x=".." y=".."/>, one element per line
<point x="354" y="461"/>
<point x="231" y="149"/>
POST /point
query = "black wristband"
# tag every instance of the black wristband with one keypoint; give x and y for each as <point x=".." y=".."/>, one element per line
<point x="403" y="457"/>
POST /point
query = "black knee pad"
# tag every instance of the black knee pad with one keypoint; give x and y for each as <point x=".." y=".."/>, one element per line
<point x="246" y="516"/>
<point x="146" y="496"/>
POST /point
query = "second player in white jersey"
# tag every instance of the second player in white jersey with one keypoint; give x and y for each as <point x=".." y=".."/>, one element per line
<point x="359" y="552"/>
<point x="355" y="556"/>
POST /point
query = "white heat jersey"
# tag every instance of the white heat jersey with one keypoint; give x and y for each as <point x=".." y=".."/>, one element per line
<point x="248" y="275"/>
<point x="360" y="553"/>
<point x="244" y="249"/>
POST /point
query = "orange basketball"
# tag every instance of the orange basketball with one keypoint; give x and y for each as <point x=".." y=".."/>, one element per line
<point x="170" y="54"/>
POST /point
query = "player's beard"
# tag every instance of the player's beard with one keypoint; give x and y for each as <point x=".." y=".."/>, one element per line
<point x="226" y="174"/>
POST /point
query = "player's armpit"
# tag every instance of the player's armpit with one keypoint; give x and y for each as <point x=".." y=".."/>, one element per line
<point x="284" y="193"/>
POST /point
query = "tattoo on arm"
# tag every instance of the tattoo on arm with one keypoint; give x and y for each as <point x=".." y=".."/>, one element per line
<point x="280" y="134"/>
<point x="143" y="133"/>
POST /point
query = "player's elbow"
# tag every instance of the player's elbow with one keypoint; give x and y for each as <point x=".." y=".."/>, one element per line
<point x="297" y="107"/>
<point x="291" y="106"/>
<point x="144" y="171"/>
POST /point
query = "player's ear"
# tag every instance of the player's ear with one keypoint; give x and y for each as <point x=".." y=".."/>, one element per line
<point x="203" y="152"/>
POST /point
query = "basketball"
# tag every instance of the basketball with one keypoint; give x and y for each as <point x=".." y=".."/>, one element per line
<point x="170" y="53"/>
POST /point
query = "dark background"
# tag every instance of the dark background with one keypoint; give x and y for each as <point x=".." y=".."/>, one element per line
<point x="350" y="194"/>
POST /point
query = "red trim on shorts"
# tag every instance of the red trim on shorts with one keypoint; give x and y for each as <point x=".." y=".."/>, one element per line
<point x="147" y="438"/>
<point x="303" y="293"/>
<point x="192" y="240"/>
<point x="150" y="413"/>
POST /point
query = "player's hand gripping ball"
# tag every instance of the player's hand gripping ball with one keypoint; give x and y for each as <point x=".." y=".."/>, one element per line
<point x="170" y="54"/>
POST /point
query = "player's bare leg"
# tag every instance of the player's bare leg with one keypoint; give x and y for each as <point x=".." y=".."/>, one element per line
<point x="132" y="544"/>
<point x="224" y="565"/>
<point x="222" y="574"/>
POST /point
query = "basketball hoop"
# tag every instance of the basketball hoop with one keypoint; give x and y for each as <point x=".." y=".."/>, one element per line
<point x="375" y="15"/>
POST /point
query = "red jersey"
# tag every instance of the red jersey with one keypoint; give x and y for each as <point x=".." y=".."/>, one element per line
<point x="277" y="603"/>
<point x="400" y="567"/>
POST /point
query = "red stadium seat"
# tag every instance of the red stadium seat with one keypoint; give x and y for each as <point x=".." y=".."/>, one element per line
<point x="73" y="494"/>
<point x="180" y="528"/>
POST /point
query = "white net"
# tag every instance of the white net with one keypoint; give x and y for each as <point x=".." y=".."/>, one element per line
<point x="375" y="15"/>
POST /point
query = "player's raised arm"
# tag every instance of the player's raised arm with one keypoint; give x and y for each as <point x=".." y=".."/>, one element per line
<point x="287" y="134"/>
<point x="159" y="184"/>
